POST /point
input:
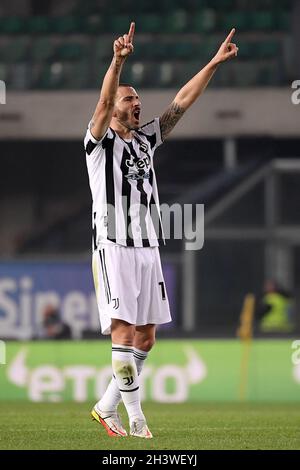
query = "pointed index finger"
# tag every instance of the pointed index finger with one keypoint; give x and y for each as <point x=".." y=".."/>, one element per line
<point x="230" y="36"/>
<point x="131" y="32"/>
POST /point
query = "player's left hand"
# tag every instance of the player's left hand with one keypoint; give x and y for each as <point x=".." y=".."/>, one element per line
<point x="228" y="50"/>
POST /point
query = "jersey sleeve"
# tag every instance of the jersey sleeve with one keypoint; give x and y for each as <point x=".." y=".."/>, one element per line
<point x="91" y="144"/>
<point x="152" y="131"/>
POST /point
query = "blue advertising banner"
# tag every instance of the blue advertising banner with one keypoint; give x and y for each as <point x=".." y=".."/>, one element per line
<point x="28" y="288"/>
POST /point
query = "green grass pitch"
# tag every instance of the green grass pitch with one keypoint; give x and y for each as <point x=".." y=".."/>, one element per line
<point x="178" y="426"/>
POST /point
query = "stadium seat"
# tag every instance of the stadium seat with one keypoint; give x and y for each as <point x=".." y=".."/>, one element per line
<point x="4" y="70"/>
<point x="155" y="63"/>
<point x="70" y="51"/>
<point x="97" y="75"/>
<point x="246" y="49"/>
<point x="127" y="75"/>
<point x="38" y="24"/>
<point x="245" y="74"/>
<point x="259" y="49"/>
<point x="85" y="8"/>
<point x="183" y="73"/>
<point x="42" y="49"/>
<point x="204" y="21"/>
<point x="239" y="20"/>
<point x="223" y="5"/>
<point x="206" y="49"/>
<point x="269" y="74"/>
<point x="77" y="75"/>
<point x="176" y="22"/>
<point x="51" y="77"/>
<point x="119" y="24"/>
<point x="144" y="50"/>
<point x="190" y="5"/>
<point x="283" y="20"/>
<point x="93" y="24"/>
<point x="262" y="20"/>
<point x="166" y="75"/>
<point x="130" y="6"/>
<point x="140" y="74"/>
<point x="19" y="76"/>
<point x="181" y="50"/>
<point x="149" y="23"/>
<point x="225" y="77"/>
<point x="67" y="24"/>
<point x="284" y="4"/>
<point x="140" y="51"/>
<point x="102" y="49"/>
<point x="164" y="52"/>
<point x="267" y="49"/>
<point x="166" y="6"/>
<point x="12" y="25"/>
<point x="15" y="51"/>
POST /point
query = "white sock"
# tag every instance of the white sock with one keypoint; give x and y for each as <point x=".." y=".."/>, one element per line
<point x="126" y="376"/>
<point x="112" y="396"/>
<point x="139" y="357"/>
<point x="110" y="399"/>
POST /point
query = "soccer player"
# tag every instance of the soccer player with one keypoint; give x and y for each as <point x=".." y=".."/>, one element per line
<point x="127" y="272"/>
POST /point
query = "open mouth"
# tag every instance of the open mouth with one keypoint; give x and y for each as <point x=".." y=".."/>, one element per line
<point x="136" y="114"/>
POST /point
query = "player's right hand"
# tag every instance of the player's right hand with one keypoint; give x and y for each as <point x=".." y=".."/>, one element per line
<point x="123" y="46"/>
<point x="228" y="50"/>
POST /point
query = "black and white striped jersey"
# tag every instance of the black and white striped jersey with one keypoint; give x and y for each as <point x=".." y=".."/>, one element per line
<point x="124" y="189"/>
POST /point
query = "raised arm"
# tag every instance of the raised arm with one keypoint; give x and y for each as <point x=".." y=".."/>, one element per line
<point x="188" y="94"/>
<point x="123" y="46"/>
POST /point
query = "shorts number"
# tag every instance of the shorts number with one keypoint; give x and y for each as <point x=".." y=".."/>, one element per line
<point x="163" y="292"/>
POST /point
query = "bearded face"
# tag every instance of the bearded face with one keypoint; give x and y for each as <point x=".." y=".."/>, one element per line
<point x="127" y="107"/>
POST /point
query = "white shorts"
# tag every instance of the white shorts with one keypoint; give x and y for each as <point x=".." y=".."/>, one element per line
<point x="129" y="286"/>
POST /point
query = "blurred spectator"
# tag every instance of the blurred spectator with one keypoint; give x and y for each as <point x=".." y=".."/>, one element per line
<point x="275" y="313"/>
<point x="54" y="327"/>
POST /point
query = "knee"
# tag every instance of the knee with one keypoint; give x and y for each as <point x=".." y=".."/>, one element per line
<point x="146" y="344"/>
<point x="122" y="339"/>
<point x="122" y="333"/>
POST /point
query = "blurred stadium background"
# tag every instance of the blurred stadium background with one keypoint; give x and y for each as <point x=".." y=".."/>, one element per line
<point x="236" y="151"/>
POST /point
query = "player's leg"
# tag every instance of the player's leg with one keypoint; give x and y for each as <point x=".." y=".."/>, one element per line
<point x="144" y="340"/>
<point x="153" y="309"/>
<point x="126" y="375"/>
<point x="126" y="379"/>
<point x="116" y="298"/>
<point x="118" y="313"/>
<point x="105" y="410"/>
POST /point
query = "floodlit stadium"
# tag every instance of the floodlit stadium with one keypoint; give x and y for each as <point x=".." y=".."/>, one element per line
<point x="198" y="148"/>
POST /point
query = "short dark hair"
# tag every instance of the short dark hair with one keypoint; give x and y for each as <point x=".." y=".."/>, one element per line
<point x="125" y="85"/>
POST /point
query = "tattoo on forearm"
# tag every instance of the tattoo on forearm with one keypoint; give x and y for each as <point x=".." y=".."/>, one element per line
<point x="116" y="66"/>
<point x="170" y="118"/>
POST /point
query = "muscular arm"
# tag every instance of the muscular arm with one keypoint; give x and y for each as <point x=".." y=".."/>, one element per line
<point x="189" y="93"/>
<point x="170" y="118"/>
<point x="104" y="109"/>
